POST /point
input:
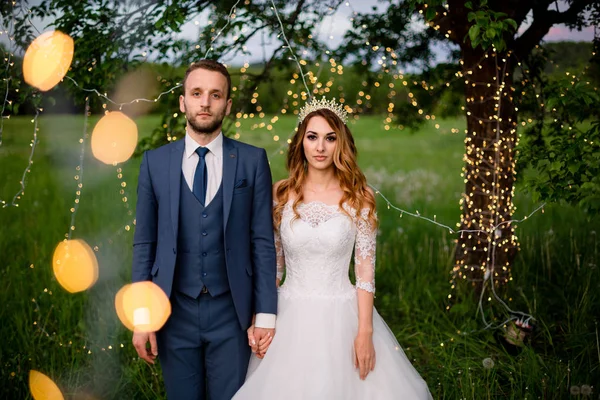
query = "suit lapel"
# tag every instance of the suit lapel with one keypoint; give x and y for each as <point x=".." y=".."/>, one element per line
<point x="230" y="155"/>
<point x="175" y="182"/>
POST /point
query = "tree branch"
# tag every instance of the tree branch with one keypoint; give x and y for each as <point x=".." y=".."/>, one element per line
<point x="543" y="20"/>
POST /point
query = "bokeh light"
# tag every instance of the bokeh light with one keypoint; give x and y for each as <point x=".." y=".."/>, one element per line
<point x="114" y="138"/>
<point x="141" y="83"/>
<point x="75" y="265"/>
<point x="142" y="306"/>
<point x="47" y="60"/>
<point x="42" y="387"/>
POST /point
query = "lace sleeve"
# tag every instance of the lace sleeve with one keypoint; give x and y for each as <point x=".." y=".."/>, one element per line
<point x="280" y="256"/>
<point x="279" y="253"/>
<point x="364" y="253"/>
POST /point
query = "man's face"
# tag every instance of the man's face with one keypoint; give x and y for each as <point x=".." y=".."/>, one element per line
<point x="205" y="102"/>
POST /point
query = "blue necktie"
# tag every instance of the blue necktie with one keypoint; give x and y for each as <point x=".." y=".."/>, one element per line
<point x="201" y="176"/>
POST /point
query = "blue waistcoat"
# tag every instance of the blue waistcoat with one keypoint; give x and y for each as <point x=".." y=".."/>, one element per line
<point x="200" y="243"/>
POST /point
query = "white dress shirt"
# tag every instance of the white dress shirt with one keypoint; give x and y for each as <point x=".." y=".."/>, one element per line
<point x="214" y="169"/>
<point x="214" y="165"/>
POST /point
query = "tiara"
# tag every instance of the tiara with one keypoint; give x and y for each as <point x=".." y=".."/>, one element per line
<point x="314" y="105"/>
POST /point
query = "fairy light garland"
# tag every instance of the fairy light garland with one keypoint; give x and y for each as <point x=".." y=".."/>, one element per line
<point x="9" y="63"/>
<point x="27" y="170"/>
<point x="304" y="96"/>
<point x="34" y="121"/>
<point x="79" y="169"/>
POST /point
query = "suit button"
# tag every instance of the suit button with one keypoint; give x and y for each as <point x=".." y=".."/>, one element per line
<point x="204" y="274"/>
<point x="204" y="254"/>
<point x="204" y="233"/>
<point x="204" y="215"/>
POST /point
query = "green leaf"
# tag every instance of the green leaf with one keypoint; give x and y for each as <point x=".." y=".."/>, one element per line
<point x="573" y="168"/>
<point x="490" y="33"/>
<point x="512" y="23"/>
<point x="430" y="13"/>
<point x="474" y="34"/>
<point x="556" y="166"/>
<point x="469" y="5"/>
<point x="483" y="3"/>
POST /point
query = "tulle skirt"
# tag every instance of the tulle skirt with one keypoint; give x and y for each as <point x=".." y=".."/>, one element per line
<point x="312" y="357"/>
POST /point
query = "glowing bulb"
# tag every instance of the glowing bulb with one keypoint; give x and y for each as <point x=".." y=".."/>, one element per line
<point x="75" y="265"/>
<point x="142" y="306"/>
<point x="47" y="60"/>
<point x="42" y="387"/>
<point x="114" y="138"/>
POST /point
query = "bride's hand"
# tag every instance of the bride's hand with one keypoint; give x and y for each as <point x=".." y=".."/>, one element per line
<point x="251" y="339"/>
<point x="364" y="354"/>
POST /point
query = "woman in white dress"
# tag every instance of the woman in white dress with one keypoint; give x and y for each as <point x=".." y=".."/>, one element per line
<point x="330" y="342"/>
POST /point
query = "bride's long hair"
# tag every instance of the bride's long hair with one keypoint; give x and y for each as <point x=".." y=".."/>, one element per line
<point x="351" y="179"/>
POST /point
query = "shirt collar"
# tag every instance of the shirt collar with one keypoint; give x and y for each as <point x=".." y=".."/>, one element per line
<point x="215" y="147"/>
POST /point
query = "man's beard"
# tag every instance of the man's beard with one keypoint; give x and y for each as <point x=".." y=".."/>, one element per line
<point x="205" y="127"/>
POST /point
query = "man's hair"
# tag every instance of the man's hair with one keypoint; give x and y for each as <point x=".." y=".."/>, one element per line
<point x="210" y="65"/>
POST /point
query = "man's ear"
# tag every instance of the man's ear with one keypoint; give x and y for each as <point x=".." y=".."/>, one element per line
<point x="229" y="103"/>
<point x="181" y="104"/>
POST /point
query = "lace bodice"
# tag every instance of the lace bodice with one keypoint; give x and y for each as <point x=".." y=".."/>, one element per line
<point x="315" y="251"/>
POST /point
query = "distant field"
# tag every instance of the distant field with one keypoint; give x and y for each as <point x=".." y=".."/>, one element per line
<point x="79" y="342"/>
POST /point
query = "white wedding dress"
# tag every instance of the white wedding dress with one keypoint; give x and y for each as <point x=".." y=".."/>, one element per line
<point x="312" y="353"/>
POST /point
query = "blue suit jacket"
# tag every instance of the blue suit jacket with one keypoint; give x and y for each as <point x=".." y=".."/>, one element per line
<point x="247" y="211"/>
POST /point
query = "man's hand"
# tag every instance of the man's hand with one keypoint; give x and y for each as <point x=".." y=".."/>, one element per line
<point x="140" y="339"/>
<point x="259" y="340"/>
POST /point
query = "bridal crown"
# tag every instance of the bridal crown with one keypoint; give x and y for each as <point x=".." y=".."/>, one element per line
<point x="314" y="105"/>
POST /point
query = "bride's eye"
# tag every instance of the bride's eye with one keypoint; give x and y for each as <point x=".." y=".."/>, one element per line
<point x="331" y="138"/>
<point x="311" y="137"/>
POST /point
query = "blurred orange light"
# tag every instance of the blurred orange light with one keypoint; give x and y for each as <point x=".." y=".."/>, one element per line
<point x="114" y="138"/>
<point x="47" y="60"/>
<point x="75" y="265"/>
<point x="42" y="387"/>
<point x="142" y="306"/>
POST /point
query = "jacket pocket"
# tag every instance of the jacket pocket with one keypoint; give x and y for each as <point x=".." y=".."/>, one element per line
<point x="154" y="270"/>
<point x="242" y="190"/>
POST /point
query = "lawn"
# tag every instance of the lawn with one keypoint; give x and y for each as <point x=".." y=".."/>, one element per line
<point x="78" y="341"/>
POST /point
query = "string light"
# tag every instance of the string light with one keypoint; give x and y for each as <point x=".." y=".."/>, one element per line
<point x="79" y="169"/>
<point x="289" y="47"/>
<point x="121" y="105"/>
<point x="314" y="80"/>
<point x="229" y="18"/>
<point x="23" y="181"/>
<point x="9" y="63"/>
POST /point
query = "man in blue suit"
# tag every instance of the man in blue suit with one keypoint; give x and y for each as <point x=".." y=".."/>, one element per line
<point x="204" y="235"/>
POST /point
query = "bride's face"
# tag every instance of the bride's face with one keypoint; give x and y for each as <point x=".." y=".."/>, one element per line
<point x="319" y="143"/>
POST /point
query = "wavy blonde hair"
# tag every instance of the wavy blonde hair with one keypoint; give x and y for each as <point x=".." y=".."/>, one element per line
<point x="350" y="177"/>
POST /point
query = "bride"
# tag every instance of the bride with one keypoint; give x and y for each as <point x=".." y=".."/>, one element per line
<point x="330" y="343"/>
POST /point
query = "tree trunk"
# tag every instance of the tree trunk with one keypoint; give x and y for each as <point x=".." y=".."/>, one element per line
<point x="489" y="173"/>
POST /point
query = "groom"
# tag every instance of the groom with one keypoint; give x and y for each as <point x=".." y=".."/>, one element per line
<point x="204" y="235"/>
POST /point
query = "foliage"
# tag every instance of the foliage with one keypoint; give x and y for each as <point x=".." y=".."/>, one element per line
<point x="557" y="280"/>
<point x="564" y="146"/>
<point x="490" y="27"/>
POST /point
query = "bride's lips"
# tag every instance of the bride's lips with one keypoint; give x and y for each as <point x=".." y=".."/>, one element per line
<point x="320" y="158"/>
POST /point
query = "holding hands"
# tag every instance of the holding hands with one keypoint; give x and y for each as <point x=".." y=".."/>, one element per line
<point x="259" y="340"/>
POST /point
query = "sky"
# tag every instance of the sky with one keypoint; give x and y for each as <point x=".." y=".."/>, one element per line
<point x="334" y="27"/>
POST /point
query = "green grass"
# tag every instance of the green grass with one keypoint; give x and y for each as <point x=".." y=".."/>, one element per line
<point x="78" y="341"/>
